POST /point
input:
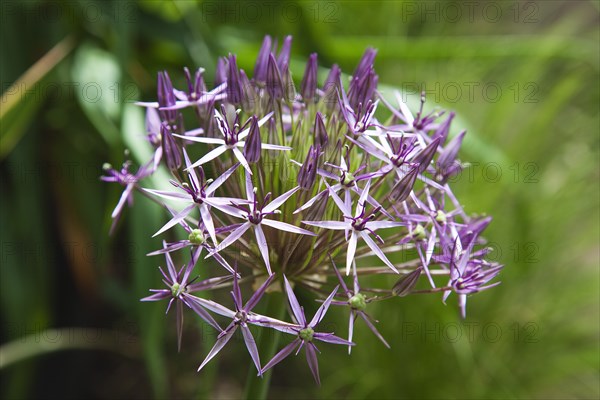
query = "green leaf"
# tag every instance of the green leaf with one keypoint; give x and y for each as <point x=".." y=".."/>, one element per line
<point x="97" y="78"/>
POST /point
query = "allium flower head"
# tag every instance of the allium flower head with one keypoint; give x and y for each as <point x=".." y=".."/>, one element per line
<point x="338" y="172"/>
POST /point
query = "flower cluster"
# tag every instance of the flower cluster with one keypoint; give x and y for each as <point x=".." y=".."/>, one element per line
<point x="285" y="185"/>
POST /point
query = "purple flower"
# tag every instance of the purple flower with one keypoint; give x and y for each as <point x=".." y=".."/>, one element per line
<point x="232" y="140"/>
<point x="346" y="181"/>
<point x="274" y="84"/>
<point x="179" y="288"/>
<point x="359" y="225"/>
<point x="196" y="95"/>
<point x="241" y="317"/>
<point x="198" y="193"/>
<point x="357" y="303"/>
<point x="171" y="150"/>
<point x="284" y="54"/>
<point x="306" y="334"/>
<point x="166" y="97"/>
<point x="127" y="179"/>
<point x="443" y="228"/>
<point x="234" y="87"/>
<point x="359" y="117"/>
<point x="404" y="163"/>
<point x="153" y="130"/>
<point x="399" y="154"/>
<point x="469" y="274"/>
<point x="412" y="124"/>
<point x="364" y="81"/>
<point x="447" y="165"/>
<point x="255" y="216"/>
<point x="196" y="237"/>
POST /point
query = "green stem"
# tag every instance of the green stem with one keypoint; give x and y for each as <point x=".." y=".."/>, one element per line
<point x="267" y="343"/>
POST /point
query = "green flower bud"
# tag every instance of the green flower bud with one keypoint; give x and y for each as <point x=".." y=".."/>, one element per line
<point x="440" y="217"/>
<point x="175" y="289"/>
<point x="306" y="334"/>
<point x="196" y="237"/>
<point x="419" y="232"/>
<point x="358" y="302"/>
<point x="348" y="179"/>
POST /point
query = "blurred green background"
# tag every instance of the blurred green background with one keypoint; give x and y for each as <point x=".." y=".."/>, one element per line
<point x="523" y="79"/>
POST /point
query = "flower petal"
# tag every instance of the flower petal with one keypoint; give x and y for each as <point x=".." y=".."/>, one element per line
<point x="250" y="304"/>
<point x="261" y="122"/>
<point x="277" y="202"/>
<point x="283" y="353"/>
<point x="251" y="346"/>
<point x="261" y="240"/>
<point x="311" y="358"/>
<point x="363" y="198"/>
<point x="341" y="205"/>
<point x="176" y="219"/>
<point x="351" y="320"/>
<point x="373" y="329"/>
<point x="284" y="226"/>
<point x="240" y="156"/>
<point x="268" y="146"/>
<point x="200" y="311"/>
<point x="209" y="305"/>
<point x="221" y="342"/>
<point x="211" y="155"/>
<point x="201" y="139"/>
<point x="296" y="310"/>
<point x="221" y="179"/>
<point x="378" y="252"/>
<point x="233" y="236"/>
<point x="208" y="222"/>
<point x="351" y="250"/>
<point x="374" y="225"/>
<point x="169" y="195"/>
<point x="331" y="338"/>
<point x="124" y="197"/>
<point x="337" y="225"/>
<point x="323" y="309"/>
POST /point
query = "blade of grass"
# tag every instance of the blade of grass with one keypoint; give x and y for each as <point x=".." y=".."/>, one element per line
<point x="18" y="107"/>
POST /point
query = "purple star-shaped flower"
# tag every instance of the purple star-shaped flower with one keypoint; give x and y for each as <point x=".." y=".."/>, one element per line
<point x="196" y="94"/>
<point x="443" y="228"/>
<point x="198" y="193"/>
<point x="127" y="179"/>
<point x="232" y="139"/>
<point x="346" y="181"/>
<point x="241" y="317"/>
<point x="357" y="303"/>
<point x="196" y="237"/>
<point x="359" y="225"/>
<point x="179" y="288"/>
<point x="255" y="216"/>
<point x="306" y="334"/>
<point x="469" y="274"/>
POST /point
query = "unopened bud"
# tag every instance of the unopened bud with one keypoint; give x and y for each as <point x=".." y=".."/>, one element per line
<point x="321" y="137"/>
<point x="426" y="155"/>
<point x="253" y="145"/>
<point x="308" y="172"/>
<point x="196" y="237"/>
<point x="406" y="284"/>
<point x="308" y="87"/>
<point x="404" y="186"/>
